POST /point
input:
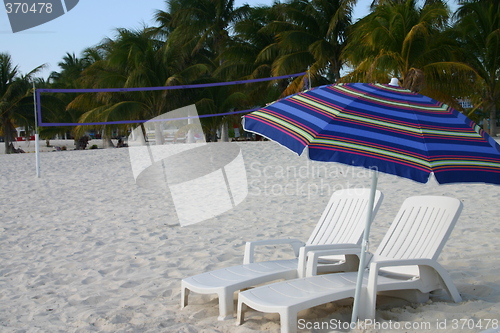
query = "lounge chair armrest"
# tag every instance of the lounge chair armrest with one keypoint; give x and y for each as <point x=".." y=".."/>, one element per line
<point x="309" y="265"/>
<point x="423" y="263"/>
<point x="250" y="247"/>
<point x="377" y="265"/>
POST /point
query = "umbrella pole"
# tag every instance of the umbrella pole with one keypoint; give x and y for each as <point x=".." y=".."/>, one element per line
<point x="364" y="249"/>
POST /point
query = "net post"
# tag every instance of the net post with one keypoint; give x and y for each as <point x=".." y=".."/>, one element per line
<point x="37" y="145"/>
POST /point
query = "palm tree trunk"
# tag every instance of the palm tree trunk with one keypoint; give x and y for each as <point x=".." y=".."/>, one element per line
<point x="141" y="135"/>
<point x="490" y="124"/>
<point x="224" y="133"/>
<point x="160" y="140"/>
<point x="493" y="121"/>
<point x="106" y="140"/>
<point x="7" y="135"/>
<point x="212" y="135"/>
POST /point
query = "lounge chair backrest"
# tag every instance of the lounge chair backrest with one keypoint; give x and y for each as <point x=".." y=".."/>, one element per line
<point x="344" y="217"/>
<point x="420" y="229"/>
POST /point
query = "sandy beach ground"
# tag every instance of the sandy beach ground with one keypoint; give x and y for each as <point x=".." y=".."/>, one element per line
<point x="86" y="249"/>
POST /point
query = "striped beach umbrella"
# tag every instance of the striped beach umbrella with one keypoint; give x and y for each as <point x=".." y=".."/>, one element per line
<point x="384" y="127"/>
<point x="381" y="127"/>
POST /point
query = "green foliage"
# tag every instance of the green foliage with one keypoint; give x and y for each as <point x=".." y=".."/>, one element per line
<point x="413" y="43"/>
<point x="477" y="28"/>
<point x="16" y="99"/>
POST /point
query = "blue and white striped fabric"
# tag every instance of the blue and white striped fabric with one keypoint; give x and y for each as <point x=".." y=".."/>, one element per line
<point x="383" y="127"/>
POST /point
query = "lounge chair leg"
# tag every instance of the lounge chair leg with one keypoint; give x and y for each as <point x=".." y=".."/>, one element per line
<point x="447" y="284"/>
<point x="288" y="322"/>
<point x="184" y="297"/>
<point x="240" y="317"/>
<point x="368" y="302"/>
<point x="226" y="306"/>
<point x="453" y="292"/>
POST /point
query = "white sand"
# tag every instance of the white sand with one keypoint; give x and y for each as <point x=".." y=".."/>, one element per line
<point x="85" y="249"/>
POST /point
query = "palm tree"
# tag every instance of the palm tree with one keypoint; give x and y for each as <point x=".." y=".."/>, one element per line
<point x="244" y="59"/>
<point x="309" y="34"/>
<point x="201" y="30"/>
<point x="135" y="58"/>
<point x="16" y="99"/>
<point x="205" y="24"/>
<point x="478" y="28"/>
<point x="68" y="78"/>
<point x="71" y="68"/>
<point x="127" y="61"/>
<point x="248" y="40"/>
<point x="53" y="108"/>
<point x="400" y="39"/>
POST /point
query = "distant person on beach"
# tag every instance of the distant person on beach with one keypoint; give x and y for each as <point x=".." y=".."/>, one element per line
<point x="14" y="150"/>
<point x="121" y="144"/>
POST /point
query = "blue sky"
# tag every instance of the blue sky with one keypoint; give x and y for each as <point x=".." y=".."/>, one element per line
<point x="84" y="26"/>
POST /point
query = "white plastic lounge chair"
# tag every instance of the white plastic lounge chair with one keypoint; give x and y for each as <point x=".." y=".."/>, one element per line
<point x="342" y="222"/>
<point x="404" y="265"/>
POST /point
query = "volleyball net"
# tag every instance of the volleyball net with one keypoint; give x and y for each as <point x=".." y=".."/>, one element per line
<point x="41" y="123"/>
